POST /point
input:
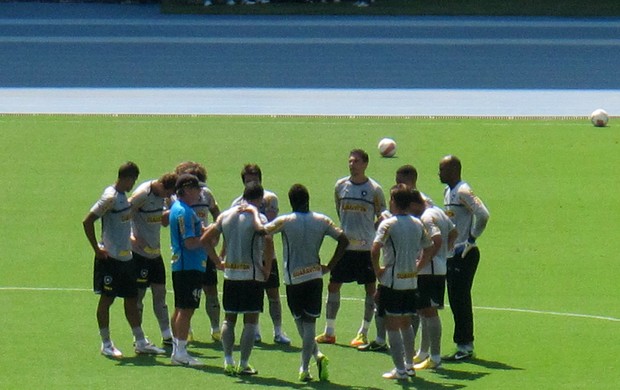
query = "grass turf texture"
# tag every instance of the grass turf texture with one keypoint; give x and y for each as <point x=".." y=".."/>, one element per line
<point x="598" y="8"/>
<point x="550" y="245"/>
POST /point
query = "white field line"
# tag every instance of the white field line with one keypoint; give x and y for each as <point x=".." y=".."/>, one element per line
<point x="507" y="309"/>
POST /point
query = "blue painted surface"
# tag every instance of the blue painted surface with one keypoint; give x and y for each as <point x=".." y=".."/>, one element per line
<point x="99" y="45"/>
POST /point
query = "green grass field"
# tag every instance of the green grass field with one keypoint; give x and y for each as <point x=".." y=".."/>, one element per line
<point x="546" y="295"/>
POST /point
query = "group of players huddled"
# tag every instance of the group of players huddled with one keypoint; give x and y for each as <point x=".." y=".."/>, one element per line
<point x="424" y="248"/>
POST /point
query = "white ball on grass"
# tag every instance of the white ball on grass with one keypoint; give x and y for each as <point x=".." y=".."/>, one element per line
<point x="387" y="147"/>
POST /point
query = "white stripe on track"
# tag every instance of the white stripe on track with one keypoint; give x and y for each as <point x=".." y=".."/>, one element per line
<point x="311" y="41"/>
<point x="387" y="22"/>
<point x="513" y="310"/>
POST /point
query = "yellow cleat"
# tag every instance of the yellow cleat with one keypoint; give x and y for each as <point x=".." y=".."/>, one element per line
<point x="359" y="340"/>
<point x="428" y="364"/>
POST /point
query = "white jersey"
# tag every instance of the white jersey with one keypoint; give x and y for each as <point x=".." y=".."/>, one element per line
<point x="244" y="245"/>
<point x="302" y="236"/>
<point x="466" y="211"/>
<point x="403" y="237"/>
<point x="115" y="212"/>
<point x="358" y="205"/>
<point x="269" y="204"/>
<point x="204" y="206"/>
<point x="146" y="220"/>
<point x="436" y="223"/>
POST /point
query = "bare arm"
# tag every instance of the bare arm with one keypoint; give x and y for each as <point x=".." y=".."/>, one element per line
<point x="343" y="242"/>
<point x="375" y="253"/>
<point x="268" y="255"/>
<point x="426" y="257"/>
<point x="89" y="231"/>
<point x="452" y="238"/>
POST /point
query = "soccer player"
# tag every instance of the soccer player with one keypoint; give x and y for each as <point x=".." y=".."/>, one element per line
<point x="251" y="173"/>
<point x="470" y="216"/>
<point x="359" y="201"/>
<point x="205" y="206"/>
<point x="248" y="257"/>
<point x="114" y="269"/>
<point x="402" y="238"/>
<point x="432" y="286"/>
<point x="302" y="235"/>
<point x="188" y="264"/>
<point x="147" y="205"/>
<point x="408" y="175"/>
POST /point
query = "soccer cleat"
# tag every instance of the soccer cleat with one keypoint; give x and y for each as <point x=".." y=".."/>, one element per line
<point x="428" y="364"/>
<point x="395" y="374"/>
<point x="359" y="340"/>
<point x="216" y="335"/>
<point x="167" y="341"/>
<point x="230" y="370"/>
<point x="248" y="370"/>
<point x="108" y="349"/>
<point x="145" y="347"/>
<point x="419" y="358"/>
<point x="325" y="338"/>
<point x="281" y="339"/>
<point x="257" y="338"/>
<point x="322" y="363"/>
<point x="373" y="346"/>
<point x="184" y="359"/>
<point x="304" y="376"/>
<point x="459" y="355"/>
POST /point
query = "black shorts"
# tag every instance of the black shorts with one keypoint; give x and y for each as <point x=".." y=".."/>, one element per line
<point x="355" y="266"/>
<point x="115" y="278"/>
<point x="187" y="286"/>
<point x="274" y="276"/>
<point x="432" y="289"/>
<point x="209" y="278"/>
<point x="149" y="270"/>
<point x="243" y="296"/>
<point x="396" y="302"/>
<point x="305" y="299"/>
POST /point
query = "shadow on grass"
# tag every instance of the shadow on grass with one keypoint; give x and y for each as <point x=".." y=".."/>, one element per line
<point x="493" y="365"/>
<point x="422" y="383"/>
<point x="315" y="384"/>
<point x="490" y="364"/>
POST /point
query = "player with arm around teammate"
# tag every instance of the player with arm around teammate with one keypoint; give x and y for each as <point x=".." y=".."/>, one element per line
<point x="247" y="262"/>
<point x="402" y="238"/>
<point x="269" y="207"/>
<point x="302" y="235"/>
<point x="147" y="204"/>
<point x="114" y="270"/>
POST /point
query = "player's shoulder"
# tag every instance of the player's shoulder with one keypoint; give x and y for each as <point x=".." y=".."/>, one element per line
<point x="269" y="195"/>
<point x="375" y="184"/>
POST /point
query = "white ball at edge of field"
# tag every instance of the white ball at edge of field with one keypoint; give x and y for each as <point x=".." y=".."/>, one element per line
<point x="599" y="118"/>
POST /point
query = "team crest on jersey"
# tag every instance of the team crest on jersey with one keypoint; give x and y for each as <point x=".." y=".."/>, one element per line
<point x="364" y="193"/>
